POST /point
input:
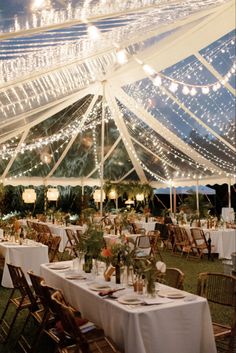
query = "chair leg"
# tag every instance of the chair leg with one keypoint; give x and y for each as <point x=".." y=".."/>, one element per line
<point x="5" y="326"/>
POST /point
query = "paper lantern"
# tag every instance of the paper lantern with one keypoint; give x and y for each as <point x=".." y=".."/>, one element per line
<point x="97" y="195"/>
<point x="140" y="197"/>
<point x="52" y="194"/>
<point x="29" y="196"/>
<point x="112" y="194"/>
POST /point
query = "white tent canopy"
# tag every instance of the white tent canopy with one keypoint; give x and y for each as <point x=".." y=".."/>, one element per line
<point x="72" y="114"/>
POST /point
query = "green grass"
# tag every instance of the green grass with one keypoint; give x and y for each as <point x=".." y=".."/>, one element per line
<point x="191" y="269"/>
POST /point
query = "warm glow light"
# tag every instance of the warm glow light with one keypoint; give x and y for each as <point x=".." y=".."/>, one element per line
<point x="93" y="32"/>
<point x="39" y="4"/>
<point x="121" y="56"/>
<point x="129" y="202"/>
<point x="112" y="194"/>
<point x="97" y="195"/>
<point x="140" y="197"/>
<point x="52" y="194"/>
<point x="29" y="196"/>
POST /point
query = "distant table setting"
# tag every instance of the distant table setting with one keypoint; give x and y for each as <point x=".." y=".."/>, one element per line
<point x="58" y="229"/>
<point x="29" y="256"/>
<point x="174" y="321"/>
<point x="224" y="241"/>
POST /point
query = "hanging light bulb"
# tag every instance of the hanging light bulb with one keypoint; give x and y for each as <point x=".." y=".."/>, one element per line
<point x="205" y="90"/>
<point x="121" y="56"/>
<point x="149" y="70"/>
<point x="193" y="91"/>
<point x="157" y="81"/>
<point x="173" y="87"/>
<point x="93" y="32"/>
<point x="185" y="90"/>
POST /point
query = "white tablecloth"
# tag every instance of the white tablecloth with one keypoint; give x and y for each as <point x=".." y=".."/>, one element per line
<point x="227" y="214"/>
<point x="146" y="225"/>
<point x="28" y="257"/>
<point x="59" y="230"/>
<point x="225" y="242"/>
<point x="177" y="327"/>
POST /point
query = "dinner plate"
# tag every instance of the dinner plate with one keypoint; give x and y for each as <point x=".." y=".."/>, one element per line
<point x="79" y="277"/>
<point x="171" y="294"/>
<point x="129" y="300"/>
<point x="58" y="267"/>
<point x="99" y="287"/>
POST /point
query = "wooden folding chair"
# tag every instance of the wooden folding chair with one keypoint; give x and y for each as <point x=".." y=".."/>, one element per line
<point x="81" y="343"/>
<point x="154" y="236"/>
<point x="53" y="248"/>
<point x="220" y="290"/>
<point x="72" y="242"/>
<point x="182" y="243"/>
<point x="200" y="244"/>
<point x="26" y="300"/>
<point x="43" y="318"/>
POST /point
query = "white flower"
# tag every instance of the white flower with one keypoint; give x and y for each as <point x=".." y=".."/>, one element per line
<point x="161" y="266"/>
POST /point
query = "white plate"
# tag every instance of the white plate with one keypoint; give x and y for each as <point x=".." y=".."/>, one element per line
<point x="171" y="294"/>
<point x="99" y="287"/>
<point x="58" y="267"/>
<point x="79" y="277"/>
<point x="129" y="300"/>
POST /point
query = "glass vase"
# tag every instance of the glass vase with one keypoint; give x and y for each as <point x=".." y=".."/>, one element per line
<point x="150" y="286"/>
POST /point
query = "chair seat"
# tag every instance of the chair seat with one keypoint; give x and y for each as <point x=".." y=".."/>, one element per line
<point x="18" y="302"/>
<point x="221" y="330"/>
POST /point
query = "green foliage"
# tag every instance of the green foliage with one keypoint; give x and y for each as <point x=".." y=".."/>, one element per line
<point x="131" y="189"/>
<point x="92" y="241"/>
<point x="190" y="205"/>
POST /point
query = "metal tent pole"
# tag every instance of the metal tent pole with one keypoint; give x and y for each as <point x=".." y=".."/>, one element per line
<point x="102" y="145"/>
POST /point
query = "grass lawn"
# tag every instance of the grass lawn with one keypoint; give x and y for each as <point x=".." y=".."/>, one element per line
<point x="191" y="269"/>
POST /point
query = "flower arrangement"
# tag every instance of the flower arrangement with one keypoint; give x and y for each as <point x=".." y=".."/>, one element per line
<point x="151" y="270"/>
<point x="122" y="249"/>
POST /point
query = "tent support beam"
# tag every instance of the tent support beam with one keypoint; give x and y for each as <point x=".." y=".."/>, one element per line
<point x="174" y="140"/>
<point x="107" y="155"/>
<point x="154" y="154"/>
<point x="72" y="140"/>
<point x="23" y="137"/>
<point x="46" y="112"/>
<point x="117" y="116"/>
<point x="214" y="72"/>
<point x="200" y="122"/>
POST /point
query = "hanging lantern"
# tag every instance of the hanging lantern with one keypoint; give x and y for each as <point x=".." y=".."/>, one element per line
<point x="140" y="197"/>
<point x="52" y="194"/>
<point x="97" y="195"/>
<point x="29" y="196"/>
<point x="129" y="202"/>
<point x="112" y="194"/>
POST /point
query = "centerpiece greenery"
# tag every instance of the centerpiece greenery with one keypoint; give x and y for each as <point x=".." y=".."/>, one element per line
<point x="151" y="270"/>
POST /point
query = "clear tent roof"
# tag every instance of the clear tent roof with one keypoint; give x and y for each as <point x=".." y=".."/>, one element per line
<point x="72" y="113"/>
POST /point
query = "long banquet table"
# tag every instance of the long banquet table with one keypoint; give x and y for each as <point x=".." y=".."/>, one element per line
<point x="179" y="326"/>
<point x="28" y="256"/>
